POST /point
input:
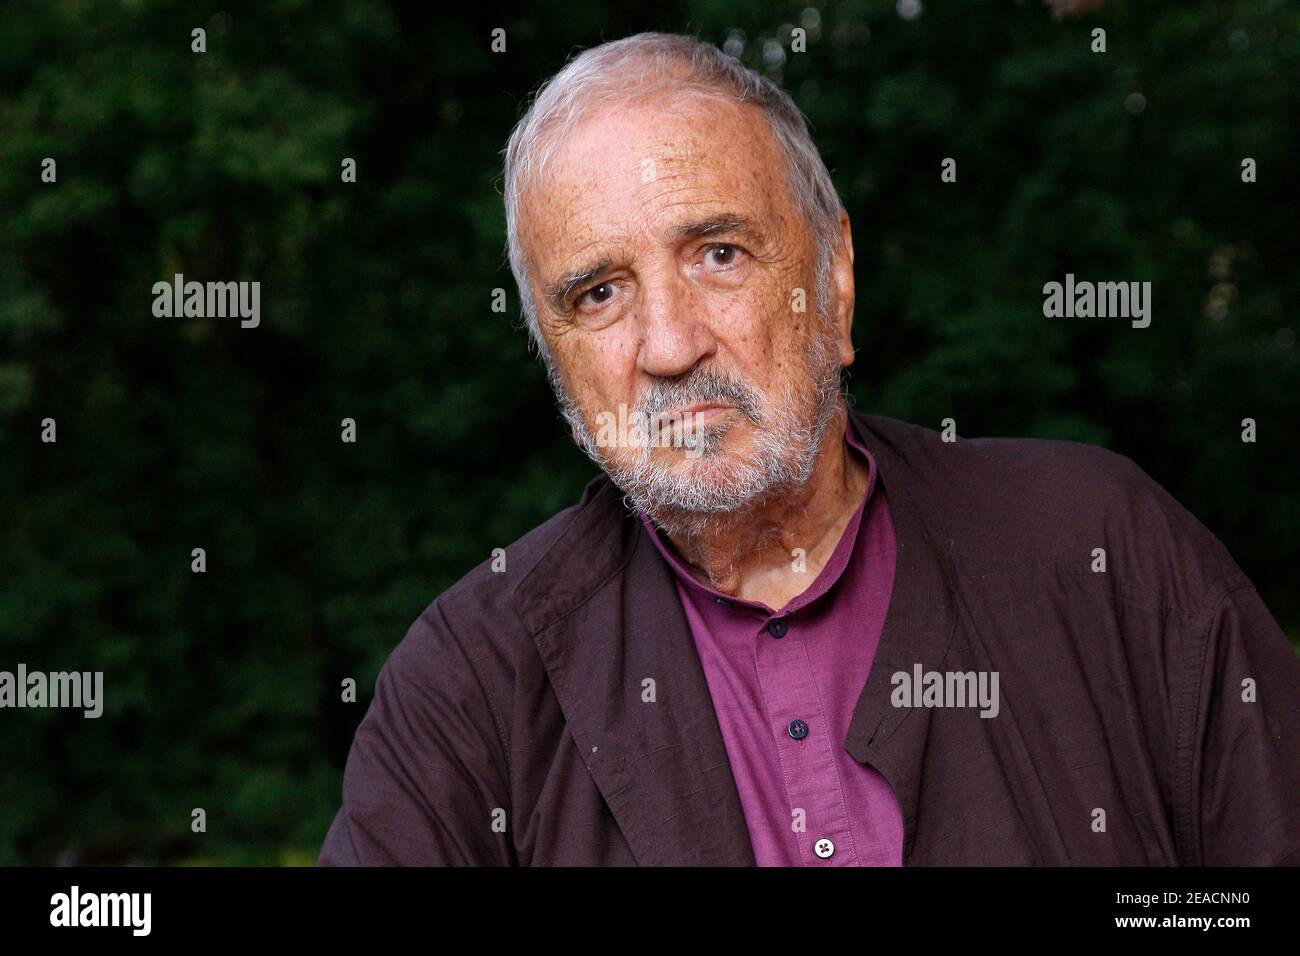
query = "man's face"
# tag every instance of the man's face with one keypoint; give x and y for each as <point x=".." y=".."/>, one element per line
<point x="668" y="264"/>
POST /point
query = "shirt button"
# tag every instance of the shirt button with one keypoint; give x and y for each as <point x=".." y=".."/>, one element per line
<point x="824" y="848"/>
<point x="776" y="627"/>
<point x="798" y="729"/>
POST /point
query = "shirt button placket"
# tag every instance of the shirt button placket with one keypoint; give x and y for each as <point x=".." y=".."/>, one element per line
<point x="807" y="759"/>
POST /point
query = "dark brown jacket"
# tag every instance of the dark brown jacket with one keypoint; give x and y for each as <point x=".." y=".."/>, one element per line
<point x="517" y="696"/>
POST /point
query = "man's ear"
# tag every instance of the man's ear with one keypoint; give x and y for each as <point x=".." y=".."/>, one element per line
<point x="842" y="281"/>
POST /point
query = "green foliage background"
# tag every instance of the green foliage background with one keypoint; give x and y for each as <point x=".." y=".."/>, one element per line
<point x="223" y="688"/>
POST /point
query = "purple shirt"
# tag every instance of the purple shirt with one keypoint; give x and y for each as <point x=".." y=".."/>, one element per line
<point x="784" y="685"/>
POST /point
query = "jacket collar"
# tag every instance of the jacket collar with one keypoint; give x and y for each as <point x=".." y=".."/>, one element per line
<point x="603" y="611"/>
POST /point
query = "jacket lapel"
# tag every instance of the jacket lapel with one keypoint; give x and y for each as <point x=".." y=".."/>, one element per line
<point x="608" y="625"/>
<point x="918" y="630"/>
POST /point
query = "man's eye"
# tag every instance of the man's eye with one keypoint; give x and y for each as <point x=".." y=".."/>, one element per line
<point x="597" y="295"/>
<point x="723" y="254"/>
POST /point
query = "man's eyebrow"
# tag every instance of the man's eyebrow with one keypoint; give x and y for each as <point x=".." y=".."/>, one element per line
<point x="558" y="292"/>
<point x="727" y="222"/>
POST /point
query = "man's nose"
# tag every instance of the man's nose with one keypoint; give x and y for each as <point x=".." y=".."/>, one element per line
<point x="675" y="335"/>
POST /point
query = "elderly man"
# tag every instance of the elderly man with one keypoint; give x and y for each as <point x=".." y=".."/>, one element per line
<point x="776" y="631"/>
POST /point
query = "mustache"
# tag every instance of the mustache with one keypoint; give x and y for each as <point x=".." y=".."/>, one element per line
<point x="700" y="385"/>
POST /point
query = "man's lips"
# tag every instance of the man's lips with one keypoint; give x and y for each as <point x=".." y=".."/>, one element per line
<point x="694" y="414"/>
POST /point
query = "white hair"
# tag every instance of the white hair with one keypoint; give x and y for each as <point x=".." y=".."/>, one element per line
<point x="626" y="70"/>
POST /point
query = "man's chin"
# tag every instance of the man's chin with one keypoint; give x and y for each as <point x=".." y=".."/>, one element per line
<point x="704" y="459"/>
<point x="678" y="488"/>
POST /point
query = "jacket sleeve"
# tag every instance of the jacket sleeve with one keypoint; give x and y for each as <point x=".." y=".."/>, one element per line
<point x="1241" y="738"/>
<point x="425" y="778"/>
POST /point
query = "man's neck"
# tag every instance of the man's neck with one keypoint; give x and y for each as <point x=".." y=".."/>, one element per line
<point x="751" y="555"/>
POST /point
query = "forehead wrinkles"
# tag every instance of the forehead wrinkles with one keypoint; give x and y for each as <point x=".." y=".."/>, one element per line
<point x="607" y="188"/>
<point x="732" y="154"/>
